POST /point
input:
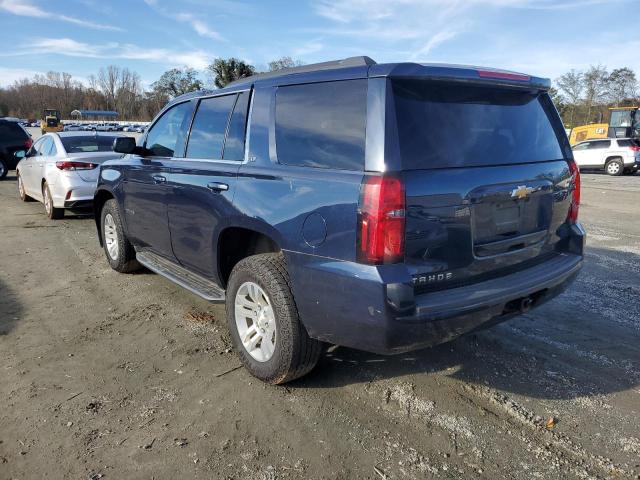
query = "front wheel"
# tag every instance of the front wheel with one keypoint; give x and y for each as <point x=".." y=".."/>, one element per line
<point x="119" y="251"/>
<point x="52" y="212"/>
<point x="21" y="191"/>
<point x="263" y="321"/>
<point x="3" y="169"/>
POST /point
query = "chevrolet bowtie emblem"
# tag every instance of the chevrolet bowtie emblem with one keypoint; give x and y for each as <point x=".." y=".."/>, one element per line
<point x="522" y="191"/>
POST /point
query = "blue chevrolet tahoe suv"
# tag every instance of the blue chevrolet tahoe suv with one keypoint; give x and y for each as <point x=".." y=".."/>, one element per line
<point x="384" y="207"/>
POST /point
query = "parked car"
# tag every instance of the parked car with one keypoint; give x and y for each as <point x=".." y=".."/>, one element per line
<point x="380" y="207"/>
<point x="616" y="156"/>
<point x="61" y="170"/>
<point x="13" y="139"/>
<point x="73" y="127"/>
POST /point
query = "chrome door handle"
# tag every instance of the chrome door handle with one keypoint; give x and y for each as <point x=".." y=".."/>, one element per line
<point x="218" y="187"/>
<point x="159" y="179"/>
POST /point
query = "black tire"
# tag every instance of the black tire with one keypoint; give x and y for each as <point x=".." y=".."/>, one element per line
<point x="52" y="212"/>
<point x="3" y="169"/>
<point x="21" y="192"/>
<point x="614" y="167"/>
<point x="125" y="261"/>
<point x="295" y="352"/>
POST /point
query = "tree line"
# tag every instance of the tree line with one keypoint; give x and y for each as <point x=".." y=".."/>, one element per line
<point x="584" y="96"/>
<point x="120" y="89"/>
<point x="581" y="96"/>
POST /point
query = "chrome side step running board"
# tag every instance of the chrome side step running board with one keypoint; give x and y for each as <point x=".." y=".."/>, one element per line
<point x="177" y="274"/>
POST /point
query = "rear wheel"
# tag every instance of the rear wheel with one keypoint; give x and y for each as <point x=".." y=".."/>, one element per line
<point x="119" y="251"/>
<point x="263" y="321"/>
<point x="21" y="191"/>
<point x="3" y="169"/>
<point x="614" y="167"/>
<point x="52" y="212"/>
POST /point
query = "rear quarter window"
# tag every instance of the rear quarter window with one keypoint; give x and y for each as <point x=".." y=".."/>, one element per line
<point x="444" y="125"/>
<point x="11" y="132"/>
<point x="322" y="125"/>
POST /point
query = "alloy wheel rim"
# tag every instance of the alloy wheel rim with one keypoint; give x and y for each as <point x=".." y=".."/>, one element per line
<point x="47" y="201"/>
<point x="2" y="169"/>
<point x="111" y="236"/>
<point x="20" y="186"/>
<point x="613" y="168"/>
<point x="255" y="321"/>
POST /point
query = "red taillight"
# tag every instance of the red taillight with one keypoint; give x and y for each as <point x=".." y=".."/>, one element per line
<point x="503" y="75"/>
<point x="28" y="142"/>
<point x="381" y="218"/>
<point x="67" y="165"/>
<point x="572" y="217"/>
<point x="635" y="148"/>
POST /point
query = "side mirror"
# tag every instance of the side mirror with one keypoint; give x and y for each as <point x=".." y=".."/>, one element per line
<point x="124" y="145"/>
<point x="19" y="154"/>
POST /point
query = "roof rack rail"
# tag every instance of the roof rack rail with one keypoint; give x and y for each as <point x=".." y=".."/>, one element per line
<point x="312" y="67"/>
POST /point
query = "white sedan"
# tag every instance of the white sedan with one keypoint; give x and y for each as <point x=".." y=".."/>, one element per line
<point x="61" y="170"/>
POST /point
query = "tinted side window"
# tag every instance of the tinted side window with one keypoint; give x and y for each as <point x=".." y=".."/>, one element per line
<point x="234" y="144"/>
<point x="210" y="123"/>
<point x="602" y="144"/>
<point x="322" y="124"/>
<point x="167" y="135"/>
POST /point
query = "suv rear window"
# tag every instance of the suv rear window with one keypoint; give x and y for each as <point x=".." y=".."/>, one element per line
<point x="443" y="125"/>
<point x="322" y="124"/>
<point x="10" y="131"/>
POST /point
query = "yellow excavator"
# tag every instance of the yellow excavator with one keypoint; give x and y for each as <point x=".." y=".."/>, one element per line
<point x="51" y="121"/>
<point x="623" y="122"/>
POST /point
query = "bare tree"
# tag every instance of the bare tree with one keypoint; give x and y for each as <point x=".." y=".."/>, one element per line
<point x="595" y="87"/>
<point x="622" y="85"/>
<point x="284" y="62"/>
<point x="571" y="86"/>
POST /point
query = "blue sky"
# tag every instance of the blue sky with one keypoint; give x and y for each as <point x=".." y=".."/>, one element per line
<point x="541" y="37"/>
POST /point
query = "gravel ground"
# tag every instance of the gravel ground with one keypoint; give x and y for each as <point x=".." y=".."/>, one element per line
<point x="128" y="376"/>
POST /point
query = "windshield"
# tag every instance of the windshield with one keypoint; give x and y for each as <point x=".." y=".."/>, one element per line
<point x="446" y="125"/>
<point x="88" y="144"/>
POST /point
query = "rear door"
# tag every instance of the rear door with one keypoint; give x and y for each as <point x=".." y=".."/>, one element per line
<point x="145" y="181"/>
<point x="486" y="178"/>
<point x="202" y="184"/>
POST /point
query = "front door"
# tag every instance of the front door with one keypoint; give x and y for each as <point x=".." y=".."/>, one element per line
<point x="146" y="181"/>
<point x="203" y="182"/>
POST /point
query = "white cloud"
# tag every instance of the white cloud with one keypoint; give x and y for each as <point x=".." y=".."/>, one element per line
<point x="194" y="22"/>
<point x="24" y="8"/>
<point x="198" y="26"/>
<point x="10" y="75"/>
<point x="197" y="59"/>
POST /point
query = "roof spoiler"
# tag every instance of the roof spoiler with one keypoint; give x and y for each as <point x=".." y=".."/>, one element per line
<point x="460" y="73"/>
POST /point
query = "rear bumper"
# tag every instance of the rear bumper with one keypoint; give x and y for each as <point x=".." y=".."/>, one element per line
<point x="373" y="309"/>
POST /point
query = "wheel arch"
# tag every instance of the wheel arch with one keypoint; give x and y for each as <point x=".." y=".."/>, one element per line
<point x="237" y="242"/>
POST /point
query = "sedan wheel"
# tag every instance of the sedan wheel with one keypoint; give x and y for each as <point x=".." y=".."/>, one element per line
<point x="255" y="321"/>
<point x="52" y="212"/>
<point x="3" y="170"/>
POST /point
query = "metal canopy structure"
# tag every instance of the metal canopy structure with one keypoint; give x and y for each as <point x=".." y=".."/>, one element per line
<point x="80" y="114"/>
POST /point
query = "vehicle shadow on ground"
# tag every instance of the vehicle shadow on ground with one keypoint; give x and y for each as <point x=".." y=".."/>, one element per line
<point x="585" y="342"/>
<point x="10" y="309"/>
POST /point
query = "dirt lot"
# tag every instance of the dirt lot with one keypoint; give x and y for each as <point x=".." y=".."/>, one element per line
<point x="129" y="376"/>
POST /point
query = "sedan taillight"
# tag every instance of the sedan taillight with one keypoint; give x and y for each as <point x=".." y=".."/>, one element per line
<point x="28" y="142"/>
<point x="68" y="165"/>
